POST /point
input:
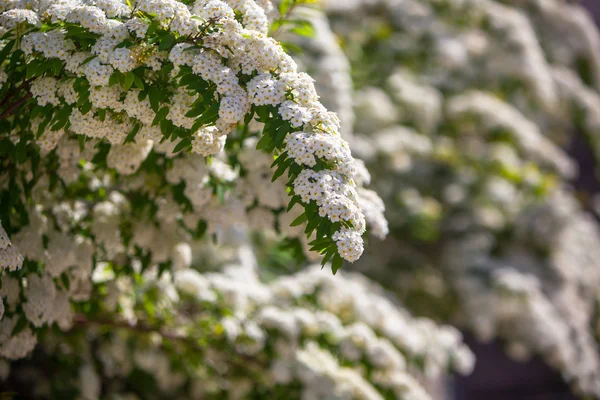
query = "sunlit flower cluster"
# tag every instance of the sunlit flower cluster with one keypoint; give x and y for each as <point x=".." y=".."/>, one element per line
<point x="134" y="135"/>
<point x="111" y="87"/>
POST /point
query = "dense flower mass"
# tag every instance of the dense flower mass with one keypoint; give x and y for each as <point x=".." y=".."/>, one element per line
<point x="130" y="131"/>
<point x="309" y="335"/>
<point x="169" y="76"/>
<point x="462" y="112"/>
<point x="166" y="168"/>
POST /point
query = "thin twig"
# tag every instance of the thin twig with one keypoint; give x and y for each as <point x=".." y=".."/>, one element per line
<point x="15" y="91"/>
<point x="284" y="17"/>
<point x="14" y="107"/>
<point x="82" y="320"/>
<point x="241" y="361"/>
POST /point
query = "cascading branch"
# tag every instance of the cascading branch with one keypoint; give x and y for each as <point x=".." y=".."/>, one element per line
<point x="179" y="74"/>
<point x="128" y="131"/>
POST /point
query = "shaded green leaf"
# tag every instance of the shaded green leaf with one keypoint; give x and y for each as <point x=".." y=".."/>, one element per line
<point x="160" y="116"/>
<point x="20" y="326"/>
<point x="115" y="78"/>
<point x="336" y="263"/>
<point x="281" y="169"/>
<point x="155" y="95"/>
<point x="263" y="143"/>
<point x="6" y="50"/>
<point x="299" y="220"/>
<point x="166" y="42"/>
<point x="183" y="144"/>
<point x="128" y="80"/>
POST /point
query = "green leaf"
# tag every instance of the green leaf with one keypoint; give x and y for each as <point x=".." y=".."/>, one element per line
<point x="263" y="113"/>
<point x="100" y="156"/>
<point x="284" y="6"/>
<point x="138" y="82"/>
<point x="31" y="69"/>
<point x="43" y="67"/>
<point x="81" y="140"/>
<point x="303" y="28"/>
<point x="322" y="229"/>
<point x="86" y="107"/>
<point x="221" y="194"/>
<point x="293" y="201"/>
<point x="200" y="229"/>
<point x="263" y="143"/>
<point x="64" y="278"/>
<point x="183" y="144"/>
<point x="166" y="42"/>
<point x="280" y="134"/>
<point x="336" y="263"/>
<point x="61" y="118"/>
<point x="155" y="95"/>
<point x="320" y="241"/>
<point x="291" y="48"/>
<point x="279" y="159"/>
<point x="210" y="115"/>
<point x="82" y="100"/>
<point x="57" y="66"/>
<point x="82" y="87"/>
<point x="330" y="253"/>
<point x="128" y="80"/>
<point x="20" y="326"/>
<point x="35" y="161"/>
<point x="196" y="111"/>
<point x="115" y="78"/>
<point x="300" y="220"/>
<point x="249" y="117"/>
<point x="281" y="169"/>
<point x="124" y="44"/>
<point x="153" y="28"/>
<point x="87" y="60"/>
<point x="131" y="135"/>
<point x="44" y="125"/>
<point x="320" y="245"/>
<point x="160" y="115"/>
<point x="194" y="82"/>
<point x="16" y="57"/>
<point x="21" y="151"/>
<point x="6" y="50"/>
<point x="311" y="208"/>
<point x="188" y="79"/>
<point x="312" y="225"/>
<point x="78" y="32"/>
<point x="166" y="128"/>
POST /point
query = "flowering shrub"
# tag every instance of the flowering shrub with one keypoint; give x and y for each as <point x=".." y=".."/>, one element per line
<point x="127" y="132"/>
<point x="230" y="335"/>
<point x="124" y="77"/>
<point x="463" y="111"/>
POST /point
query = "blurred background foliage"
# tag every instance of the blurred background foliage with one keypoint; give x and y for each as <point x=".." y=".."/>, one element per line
<point x="478" y="121"/>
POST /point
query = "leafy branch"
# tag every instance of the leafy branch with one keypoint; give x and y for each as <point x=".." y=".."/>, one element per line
<point x="299" y="26"/>
<point x="192" y="343"/>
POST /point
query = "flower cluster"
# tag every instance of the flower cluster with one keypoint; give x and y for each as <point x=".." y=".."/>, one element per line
<point x="10" y="257"/>
<point x="463" y="111"/>
<point x="231" y="335"/>
<point x="527" y="310"/>
<point x="131" y="132"/>
<point x="170" y="77"/>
